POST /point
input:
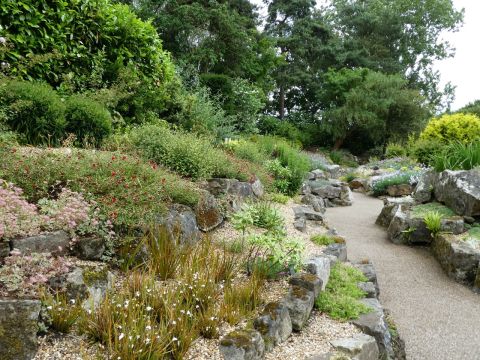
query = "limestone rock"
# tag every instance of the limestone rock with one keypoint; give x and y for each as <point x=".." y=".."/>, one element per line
<point x="458" y="258"/>
<point x="359" y="184"/>
<point x="208" y="212"/>
<point x="308" y="281"/>
<point x="319" y="266"/>
<point x="333" y="170"/>
<point x="90" y="248"/>
<point x="242" y="345"/>
<point x="327" y="191"/>
<point x="181" y="225"/>
<point x="369" y="271"/>
<point x="257" y="188"/>
<point x="300" y="224"/>
<point x="319" y="174"/>
<point x="369" y="288"/>
<point x="358" y="347"/>
<point x="374" y="324"/>
<point x="424" y="190"/>
<point x="300" y="304"/>
<point x="316" y="202"/>
<point x="337" y="250"/>
<point x="18" y="328"/>
<point x="57" y="243"/>
<point x="308" y="213"/>
<point x="460" y="191"/>
<point x="274" y="324"/>
<point x="390" y="206"/>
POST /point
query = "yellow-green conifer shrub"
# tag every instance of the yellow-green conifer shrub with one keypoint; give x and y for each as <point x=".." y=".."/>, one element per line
<point x="455" y="127"/>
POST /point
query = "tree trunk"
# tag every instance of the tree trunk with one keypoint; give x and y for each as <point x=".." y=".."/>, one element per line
<point x="282" y="102"/>
<point x="338" y="143"/>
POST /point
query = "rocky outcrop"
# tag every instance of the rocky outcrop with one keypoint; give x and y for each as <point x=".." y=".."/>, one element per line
<point x="18" y="329"/>
<point x="458" y="258"/>
<point x="208" y="213"/>
<point x="332" y="192"/>
<point x="235" y="192"/>
<point x="242" y="345"/>
<point x="460" y="191"/>
<point x="274" y="324"/>
<point x="180" y="223"/>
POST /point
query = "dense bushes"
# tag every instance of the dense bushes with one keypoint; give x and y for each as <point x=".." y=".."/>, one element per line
<point x="456" y="127"/>
<point x="33" y="110"/>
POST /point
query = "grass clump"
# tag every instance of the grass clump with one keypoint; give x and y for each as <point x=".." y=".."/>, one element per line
<point x="433" y="222"/>
<point x="322" y="239"/>
<point x="278" y="198"/>
<point x="458" y="156"/>
<point x="340" y="298"/>
<point x="62" y="312"/>
<point x="420" y="211"/>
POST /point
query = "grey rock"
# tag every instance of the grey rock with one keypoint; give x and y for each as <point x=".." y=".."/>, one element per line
<point x="390" y="206"/>
<point x="398" y="231"/>
<point x="374" y="324"/>
<point x="327" y="191"/>
<point x="307" y="281"/>
<point x="369" y="271"/>
<point x="424" y="190"/>
<point x="90" y="248"/>
<point x="208" y="213"/>
<point x="458" y="258"/>
<point x="319" y="266"/>
<point x="300" y="224"/>
<point x="460" y="191"/>
<point x="369" y="288"/>
<point x="333" y="170"/>
<point x="274" y="324"/>
<point x="308" y="213"/>
<point x="57" y="243"/>
<point x="181" y="225"/>
<point x="315" y="202"/>
<point x="310" y="176"/>
<point x="469" y="219"/>
<point x="242" y="345"/>
<point x="306" y="189"/>
<point x="299" y="302"/>
<point x="337" y="250"/>
<point x="257" y="188"/>
<point x="359" y="184"/>
<point x="319" y="174"/>
<point x="399" y="190"/>
<point x="18" y="328"/>
<point x="358" y="347"/>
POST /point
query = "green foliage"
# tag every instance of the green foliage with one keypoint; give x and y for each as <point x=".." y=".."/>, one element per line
<point x="126" y="188"/>
<point x="457" y="156"/>
<point x="87" y="119"/>
<point x="270" y="125"/>
<point x="425" y="150"/>
<point x="340" y="298"/>
<point x="395" y="150"/>
<point x="278" y="198"/>
<point x="349" y="176"/>
<point x="420" y="211"/>
<point x="33" y="110"/>
<point x="343" y="158"/>
<point x="464" y="128"/>
<point x="185" y="153"/>
<point x="63" y="313"/>
<point x="80" y="43"/>
<point x="472" y="108"/>
<point x="433" y="222"/>
<point x="248" y="150"/>
<point x="261" y="214"/>
<point x="380" y="186"/>
<point x="322" y="239"/>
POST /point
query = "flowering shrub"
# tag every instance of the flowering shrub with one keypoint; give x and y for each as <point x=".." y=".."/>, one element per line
<point x="25" y="275"/>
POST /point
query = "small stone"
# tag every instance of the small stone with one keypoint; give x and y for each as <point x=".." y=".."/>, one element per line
<point x="300" y="224"/>
<point x="359" y="347"/>
<point x="300" y="304"/>
<point x="274" y="324"/>
<point x="309" y="282"/>
<point x="242" y="345"/>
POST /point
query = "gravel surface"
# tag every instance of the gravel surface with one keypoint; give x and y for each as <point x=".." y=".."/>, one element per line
<point x="438" y="318"/>
<point x="66" y="347"/>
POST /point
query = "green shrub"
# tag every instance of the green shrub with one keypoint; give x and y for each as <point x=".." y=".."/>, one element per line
<point x="455" y="127"/>
<point x="424" y="150"/>
<point x="395" y="150"/>
<point x="457" y="156"/>
<point x="278" y="198"/>
<point x="322" y="239"/>
<point x="87" y="119"/>
<point x="341" y="157"/>
<point x="247" y="150"/>
<point x="132" y="192"/>
<point x="340" y="298"/>
<point x="33" y="110"/>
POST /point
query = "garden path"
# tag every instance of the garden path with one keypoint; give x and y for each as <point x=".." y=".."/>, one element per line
<point x="438" y="318"/>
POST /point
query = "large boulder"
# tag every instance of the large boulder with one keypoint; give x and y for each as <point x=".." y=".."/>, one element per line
<point x="242" y="345"/>
<point x="390" y="206"/>
<point x="327" y="191"/>
<point x="180" y="223"/>
<point x="458" y="258"/>
<point x="374" y="324"/>
<point x="424" y="190"/>
<point x="308" y="213"/>
<point x="18" y="328"/>
<point x="208" y="212"/>
<point x="460" y="191"/>
<point x="333" y="170"/>
<point x="274" y="324"/>
<point x="316" y="202"/>
<point x="57" y="243"/>
<point x="337" y="250"/>
<point x="307" y="281"/>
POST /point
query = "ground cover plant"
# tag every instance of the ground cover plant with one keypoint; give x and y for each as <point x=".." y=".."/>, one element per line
<point x="326" y="239"/>
<point x="398" y="177"/>
<point x="340" y="298"/>
<point x="420" y="211"/>
<point x="128" y="190"/>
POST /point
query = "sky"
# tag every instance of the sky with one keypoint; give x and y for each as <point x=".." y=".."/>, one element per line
<point x="463" y="70"/>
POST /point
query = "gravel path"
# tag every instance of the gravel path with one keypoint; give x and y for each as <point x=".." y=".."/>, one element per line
<point x="438" y="318"/>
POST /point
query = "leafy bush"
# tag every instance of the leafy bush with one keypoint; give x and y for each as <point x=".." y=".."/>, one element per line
<point x="395" y="150"/>
<point x="87" y="119"/>
<point x="33" y="110"/>
<point x="247" y="150"/>
<point x="455" y="127"/>
<point x="130" y="191"/>
<point x="340" y="298"/>
<point x="424" y="150"/>
<point x="457" y="156"/>
<point x="269" y="125"/>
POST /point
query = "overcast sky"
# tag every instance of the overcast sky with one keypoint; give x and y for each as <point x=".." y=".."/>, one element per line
<point x="463" y="70"/>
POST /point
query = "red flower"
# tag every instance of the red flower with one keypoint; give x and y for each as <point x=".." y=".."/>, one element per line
<point x="113" y="173"/>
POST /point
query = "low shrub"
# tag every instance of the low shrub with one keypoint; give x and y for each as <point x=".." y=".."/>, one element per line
<point x="399" y="177"/>
<point x="278" y="198"/>
<point x="395" y="150"/>
<point x="457" y="156"/>
<point x="464" y="128"/>
<point x="33" y="110"/>
<point x="424" y="150"/>
<point x="340" y="298"/>
<point x="247" y="150"/>
<point x="89" y="120"/>
<point x="344" y="158"/>
<point x="322" y="239"/>
<point x="128" y="190"/>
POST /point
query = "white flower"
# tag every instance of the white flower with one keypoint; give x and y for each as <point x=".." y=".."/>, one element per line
<point x="121" y="336"/>
<point x="72" y="301"/>
<point x="49" y="308"/>
<point x="149" y="308"/>
<point x="148" y="327"/>
<point x="174" y="339"/>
